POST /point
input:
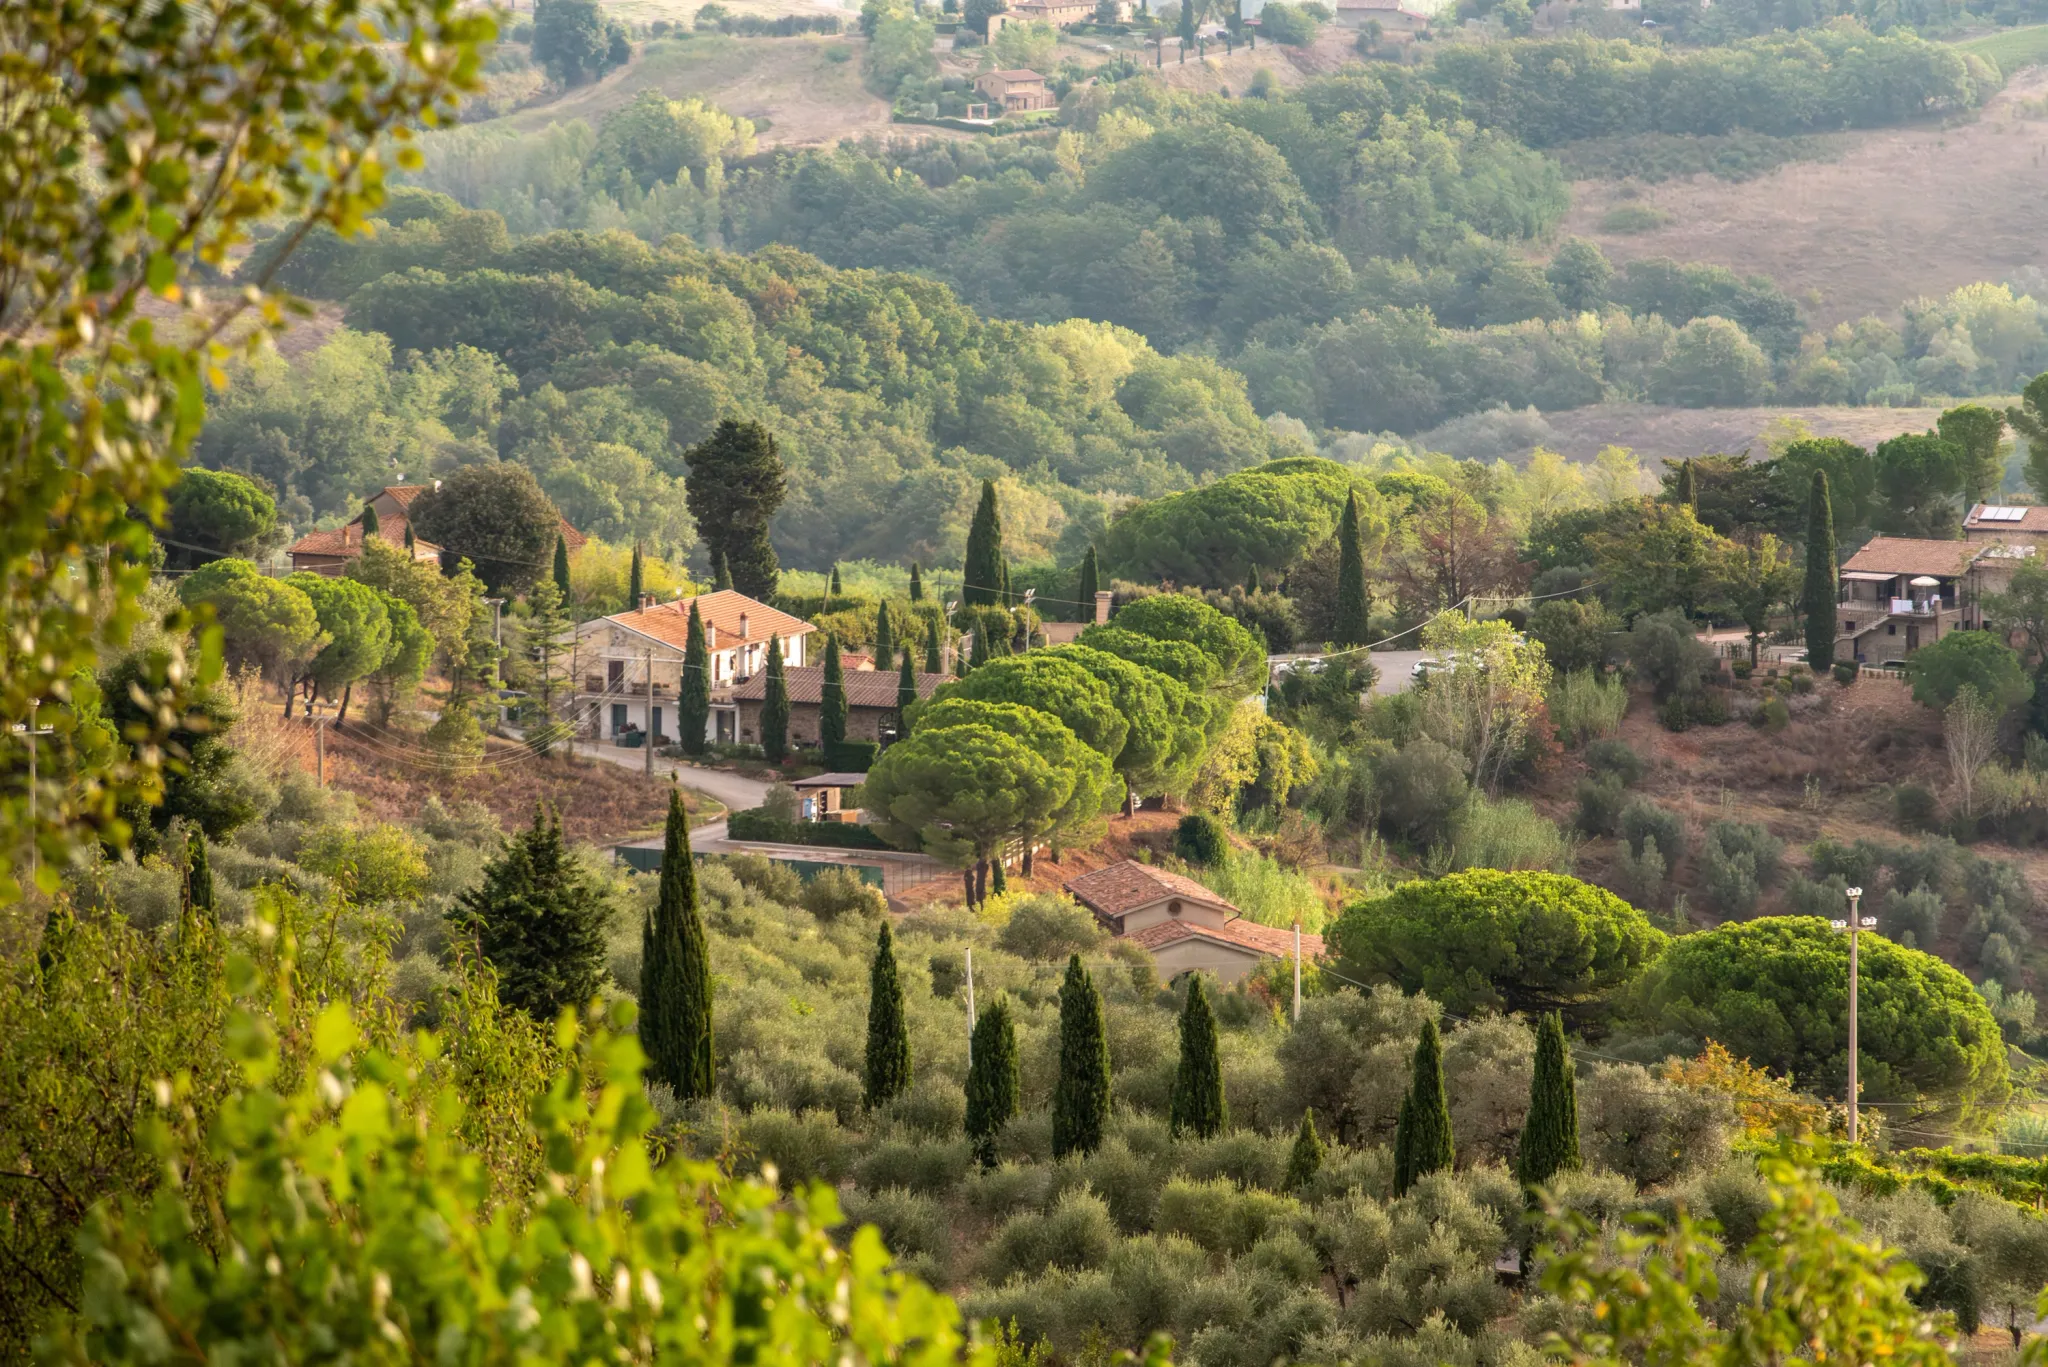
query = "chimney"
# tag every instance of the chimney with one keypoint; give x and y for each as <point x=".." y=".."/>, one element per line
<point x="1101" y="607"/>
<point x="745" y="630"/>
<point x="646" y="601"/>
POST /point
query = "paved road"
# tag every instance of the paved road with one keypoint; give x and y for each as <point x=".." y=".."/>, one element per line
<point x="734" y="790"/>
<point x="1394" y="668"/>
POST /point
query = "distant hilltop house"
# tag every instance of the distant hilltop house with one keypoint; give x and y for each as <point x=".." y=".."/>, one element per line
<point x="330" y="551"/>
<point x="1018" y="92"/>
<point x="1900" y="593"/>
<point x="628" y="667"/>
<point x="1390" y="15"/>
<point x="1058" y="13"/>
<point x="870" y="701"/>
<point x="1186" y="927"/>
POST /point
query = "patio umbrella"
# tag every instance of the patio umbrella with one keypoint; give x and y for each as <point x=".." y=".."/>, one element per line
<point x="1925" y="581"/>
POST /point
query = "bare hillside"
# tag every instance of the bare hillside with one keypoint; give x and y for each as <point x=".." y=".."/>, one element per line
<point x="1900" y="214"/>
<point x="1655" y="432"/>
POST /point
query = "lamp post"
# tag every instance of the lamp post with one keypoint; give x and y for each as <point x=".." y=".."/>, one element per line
<point x="1854" y="925"/>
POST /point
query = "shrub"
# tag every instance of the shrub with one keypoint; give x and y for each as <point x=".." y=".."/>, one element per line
<point x="1741" y="669"/>
<point x="912" y="1224"/>
<point x="804" y="1148"/>
<point x="1773" y="716"/>
<point x="1422" y="789"/>
<point x="1218" y="1215"/>
<point x="1076" y="1233"/>
<point x="1633" y="218"/>
<point x="1600" y="804"/>
<point x="836" y="893"/>
<point x="1667" y="655"/>
<point x="1584" y="707"/>
<point x="1505" y="941"/>
<point x="1968" y="659"/>
<point x="1050" y="926"/>
<point x="1509" y="833"/>
<point x="1856" y="865"/>
<point x="1845" y="672"/>
<point x="1643" y="820"/>
<point x="1912" y="918"/>
<point x="1201" y="839"/>
<point x="1932" y="862"/>
<point x="1268" y="892"/>
<point x="851" y="756"/>
<point x="1576" y="634"/>
<point x="1642" y="874"/>
<point x="1737" y="860"/>
<point x="1916" y="808"/>
<point x="1617" y="757"/>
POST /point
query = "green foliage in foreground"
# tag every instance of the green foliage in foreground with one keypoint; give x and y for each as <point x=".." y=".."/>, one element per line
<point x="409" y="1259"/>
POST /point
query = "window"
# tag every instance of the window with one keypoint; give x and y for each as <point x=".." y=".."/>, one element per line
<point x="1173" y="907"/>
<point x="1849" y="625"/>
<point x="1891" y="628"/>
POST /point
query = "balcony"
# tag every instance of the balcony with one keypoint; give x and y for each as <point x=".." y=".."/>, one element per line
<point x="1919" y="607"/>
<point x="626" y="688"/>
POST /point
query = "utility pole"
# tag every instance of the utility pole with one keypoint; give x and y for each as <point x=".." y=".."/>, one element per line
<point x="319" y="749"/>
<point x="1297" y="970"/>
<point x="498" y="640"/>
<point x="31" y="734"/>
<point x="649" y="656"/>
<point x="1853" y="925"/>
<point x="971" y="1018"/>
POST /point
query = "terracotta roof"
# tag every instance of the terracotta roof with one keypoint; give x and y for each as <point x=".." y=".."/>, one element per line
<point x="1266" y="940"/>
<point x="347" y="542"/>
<point x="1912" y="555"/>
<point x="2033" y="518"/>
<point x="405" y="494"/>
<point x="1019" y="74"/>
<point x="670" y="622"/>
<point x="874" y="688"/>
<point x="1119" y="888"/>
<point x="853" y="659"/>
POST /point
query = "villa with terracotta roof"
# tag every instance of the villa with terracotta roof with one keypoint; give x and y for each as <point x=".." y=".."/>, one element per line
<point x="328" y="552"/>
<point x="615" y="659"/>
<point x="1184" y="925"/>
<point x="870" y="701"/>
<point x="1899" y="593"/>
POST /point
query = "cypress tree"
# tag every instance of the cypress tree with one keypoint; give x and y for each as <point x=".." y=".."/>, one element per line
<point x="1199" y="1108"/>
<point x="934" y="647"/>
<point x="992" y="1079"/>
<point x="998" y="878"/>
<point x="1251" y="581"/>
<point x="636" y="578"/>
<point x="835" y="590"/>
<point x="1422" y="1141"/>
<point x="888" y="1075"/>
<point x="562" y="565"/>
<point x="1353" y="607"/>
<point x="916" y="583"/>
<point x="1822" y="587"/>
<point x="1080" y="1099"/>
<point x="1550" y="1136"/>
<point x="1084" y="605"/>
<point x="986" y="574"/>
<point x="885" y="637"/>
<point x="539" y="919"/>
<point x="199" y="878"/>
<point x="1305" y="1159"/>
<point x="832" y="699"/>
<point x="906" y="694"/>
<point x="775" y="706"/>
<point x="693" y="697"/>
<point x="675" y="972"/>
<point x="1689" y="487"/>
<point x="370" y="524"/>
<point x="721" y="573"/>
<point x="980" y="652"/>
<point x="410" y="541"/>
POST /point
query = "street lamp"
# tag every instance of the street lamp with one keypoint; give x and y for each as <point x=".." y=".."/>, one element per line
<point x="1854" y="925"/>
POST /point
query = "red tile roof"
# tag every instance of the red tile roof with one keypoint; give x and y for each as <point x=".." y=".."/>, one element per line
<point x="1122" y="887"/>
<point x="874" y="688"/>
<point x="1242" y="934"/>
<point x="721" y="610"/>
<point x="1914" y="555"/>
<point x="2033" y="519"/>
<point x="347" y="542"/>
<point x="404" y="494"/>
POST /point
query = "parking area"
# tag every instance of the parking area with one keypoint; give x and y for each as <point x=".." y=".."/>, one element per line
<point x="1396" y="668"/>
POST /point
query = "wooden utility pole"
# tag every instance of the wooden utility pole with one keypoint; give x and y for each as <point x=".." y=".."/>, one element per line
<point x="971" y="1018"/>
<point x="320" y="751"/>
<point x="650" y="712"/>
<point x="1297" y="970"/>
<point x="33" y="734"/>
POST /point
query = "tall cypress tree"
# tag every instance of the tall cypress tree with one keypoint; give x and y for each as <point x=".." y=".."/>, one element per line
<point x="934" y="647"/>
<point x="199" y="879"/>
<point x="1252" y="582"/>
<point x="1422" y="1141"/>
<point x="721" y="573"/>
<point x="885" y="637"/>
<point x="562" y="565"/>
<point x="1550" y="1136"/>
<point x="675" y="972"/>
<point x="986" y="574"/>
<point x="835" y="590"/>
<point x="832" y="699"/>
<point x="992" y="1079"/>
<point x="693" y="695"/>
<point x="1689" y="486"/>
<point x="735" y="485"/>
<point x="916" y="583"/>
<point x="1305" y="1159"/>
<point x="1353" y="608"/>
<point x="369" y="520"/>
<point x="1080" y="1099"/>
<point x="1199" y="1108"/>
<point x="888" y="1072"/>
<point x="1084" y="593"/>
<point x="906" y="694"/>
<point x="980" y="653"/>
<point x="411" y="542"/>
<point x="1822" y="587"/>
<point x="636" y="581"/>
<point x="539" y="919"/>
<point x="775" y="706"/>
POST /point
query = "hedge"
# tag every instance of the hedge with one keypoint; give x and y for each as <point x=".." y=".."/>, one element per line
<point x="755" y="823"/>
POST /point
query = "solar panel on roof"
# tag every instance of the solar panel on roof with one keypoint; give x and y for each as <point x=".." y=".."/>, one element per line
<point x="2001" y="514"/>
